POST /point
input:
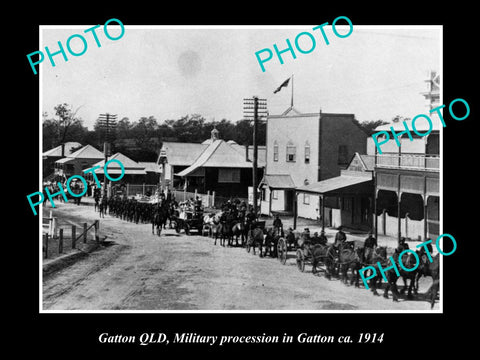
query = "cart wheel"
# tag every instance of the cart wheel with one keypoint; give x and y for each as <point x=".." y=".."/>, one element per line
<point x="248" y="245"/>
<point x="300" y="260"/>
<point x="282" y="251"/>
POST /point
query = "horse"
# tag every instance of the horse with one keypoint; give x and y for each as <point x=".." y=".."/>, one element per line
<point x="409" y="261"/>
<point x="239" y="230"/>
<point x="270" y="241"/>
<point x="350" y="258"/>
<point x="256" y="237"/>
<point x="427" y="268"/>
<point x="319" y="252"/>
<point x="158" y="219"/>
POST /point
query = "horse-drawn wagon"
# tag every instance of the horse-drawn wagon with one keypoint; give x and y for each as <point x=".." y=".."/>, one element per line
<point x="188" y="220"/>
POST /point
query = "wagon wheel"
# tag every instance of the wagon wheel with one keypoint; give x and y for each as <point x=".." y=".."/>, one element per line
<point x="282" y="250"/>
<point x="300" y="260"/>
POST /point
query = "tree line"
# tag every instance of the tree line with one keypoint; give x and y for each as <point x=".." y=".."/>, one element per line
<point x="141" y="139"/>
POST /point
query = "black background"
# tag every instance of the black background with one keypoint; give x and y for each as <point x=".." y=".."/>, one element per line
<point x="58" y="335"/>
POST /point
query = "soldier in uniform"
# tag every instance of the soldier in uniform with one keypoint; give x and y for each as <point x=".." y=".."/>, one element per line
<point x="369" y="245"/>
<point x="402" y="245"/>
<point x="278" y="225"/>
<point x="250" y="219"/>
<point x="340" y="237"/>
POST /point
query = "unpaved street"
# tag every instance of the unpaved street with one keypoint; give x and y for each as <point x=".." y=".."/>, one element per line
<point x="141" y="271"/>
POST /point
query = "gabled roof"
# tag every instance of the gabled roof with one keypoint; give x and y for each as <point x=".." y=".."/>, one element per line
<point x="218" y="154"/>
<point x="131" y="167"/>
<point x="87" y="152"/>
<point x="278" y="181"/>
<point x="367" y="162"/>
<point x="181" y="154"/>
<point x="57" y="151"/>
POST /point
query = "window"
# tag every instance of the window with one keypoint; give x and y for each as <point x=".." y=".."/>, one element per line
<point x="291" y="153"/>
<point x="275" y="151"/>
<point x="342" y="155"/>
<point x="228" y="175"/>
<point x="274" y="195"/>
<point x="307" y="153"/>
<point x="306" y="199"/>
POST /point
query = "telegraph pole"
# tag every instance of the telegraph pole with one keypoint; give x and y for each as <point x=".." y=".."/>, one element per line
<point x="106" y="121"/>
<point x="259" y="107"/>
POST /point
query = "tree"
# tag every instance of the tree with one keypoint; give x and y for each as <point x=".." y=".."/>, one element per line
<point x="369" y="126"/>
<point x="66" y="126"/>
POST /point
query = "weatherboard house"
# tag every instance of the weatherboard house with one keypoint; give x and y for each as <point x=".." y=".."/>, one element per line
<point x="213" y="165"/>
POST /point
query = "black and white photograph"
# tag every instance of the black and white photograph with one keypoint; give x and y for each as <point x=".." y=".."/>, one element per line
<point x="264" y="184"/>
<point x="230" y="188"/>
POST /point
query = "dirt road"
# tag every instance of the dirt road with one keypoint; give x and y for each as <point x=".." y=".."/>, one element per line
<point x="141" y="271"/>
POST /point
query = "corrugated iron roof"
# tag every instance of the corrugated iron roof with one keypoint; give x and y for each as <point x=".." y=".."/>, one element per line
<point x="57" y="151"/>
<point x="333" y="184"/>
<point x="131" y="167"/>
<point x="87" y="152"/>
<point x="181" y="154"/>
<point x="278" y="181"/>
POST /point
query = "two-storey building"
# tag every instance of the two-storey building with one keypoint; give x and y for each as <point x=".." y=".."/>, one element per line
<point x="407" y="184"/>
<point x="303" y="149"/>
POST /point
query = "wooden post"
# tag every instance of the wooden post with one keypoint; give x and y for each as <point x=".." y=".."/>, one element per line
<point x="84" y="233"/>
<point x="74" y="236"/>
<point x="97" y="237"/>
<point x="54" y="226"/>
<point x="60" y="242"/>
<point x="213" y="198"/>
<point x="46" y="246"/>
<point x="295" y="209"/>
<point x="322" y="198"/>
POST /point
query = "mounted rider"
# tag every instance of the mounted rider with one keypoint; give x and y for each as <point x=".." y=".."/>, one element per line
<point x="369" y="245"/>
<point x="278" y="225"/>
<point x="340" y="238"/>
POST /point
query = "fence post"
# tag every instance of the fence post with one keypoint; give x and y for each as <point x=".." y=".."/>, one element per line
<point x="60" y="242"/>
<point x="213" y="198"/>
<point x="54" y="225"/>
<point x="128" y="190"/>
<point x="208" y="198"/>
<point x="74" y="236"/>
<point x="50" y="223"/>
<point x="84" y="233"/>
<point x="195" y="196"/>
<point x="97" y="238"/>
<point x="46" y="246"/>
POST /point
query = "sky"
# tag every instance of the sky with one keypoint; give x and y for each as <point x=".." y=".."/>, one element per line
<point x="168" y="72"/>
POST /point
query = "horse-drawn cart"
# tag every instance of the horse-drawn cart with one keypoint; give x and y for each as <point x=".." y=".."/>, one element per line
<point x="314" y="254"/>
<point x="188" y="221"/>
<point x="287" y="243"/>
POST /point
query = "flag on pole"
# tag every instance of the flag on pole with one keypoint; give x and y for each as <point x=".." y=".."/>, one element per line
<point x="284" y="84"/>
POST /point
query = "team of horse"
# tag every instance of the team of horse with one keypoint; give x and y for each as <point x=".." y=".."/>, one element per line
<point x="341" y="260"/>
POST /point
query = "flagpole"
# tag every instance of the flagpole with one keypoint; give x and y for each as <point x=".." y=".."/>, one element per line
<point x="291" y="102"/>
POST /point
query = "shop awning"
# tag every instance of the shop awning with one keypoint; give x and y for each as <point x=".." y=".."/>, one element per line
<point x="335" y="185"/>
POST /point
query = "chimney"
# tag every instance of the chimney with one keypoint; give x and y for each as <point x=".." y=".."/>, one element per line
<point x="246" y="153"/>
